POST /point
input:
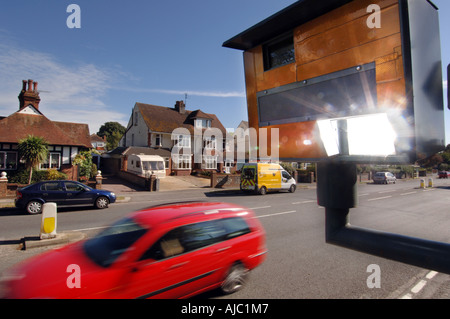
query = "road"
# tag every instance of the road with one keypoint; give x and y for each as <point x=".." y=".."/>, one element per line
<point x="299" y="265"/>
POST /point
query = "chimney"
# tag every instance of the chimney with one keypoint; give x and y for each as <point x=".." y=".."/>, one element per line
<point x="180" y="107"/>
<point x="29" y="95"/>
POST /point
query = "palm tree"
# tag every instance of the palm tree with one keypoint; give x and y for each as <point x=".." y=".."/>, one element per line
<point x="33" y="150"/>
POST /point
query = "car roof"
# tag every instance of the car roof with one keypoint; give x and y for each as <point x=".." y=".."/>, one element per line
<point x="163" y="213"/>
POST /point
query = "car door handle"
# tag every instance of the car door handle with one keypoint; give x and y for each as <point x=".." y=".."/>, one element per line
<point x="178" y="265"/>
<point x="222" y="249"/>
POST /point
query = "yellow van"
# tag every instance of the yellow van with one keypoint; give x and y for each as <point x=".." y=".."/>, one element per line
<point x="262" y="177"/>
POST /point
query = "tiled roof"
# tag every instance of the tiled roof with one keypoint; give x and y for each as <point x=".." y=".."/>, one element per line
<point x="165" y="119"/>
<point x="18" y="126"/>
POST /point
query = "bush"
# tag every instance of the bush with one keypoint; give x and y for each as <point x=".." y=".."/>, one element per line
<point x="21" y="176"/>
<point x="288" y="168"/>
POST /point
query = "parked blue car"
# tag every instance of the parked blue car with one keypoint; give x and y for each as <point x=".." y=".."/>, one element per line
<point x="63" y="193"/>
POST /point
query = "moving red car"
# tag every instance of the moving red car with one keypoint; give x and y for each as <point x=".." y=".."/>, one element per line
<point x="167" y="251"/>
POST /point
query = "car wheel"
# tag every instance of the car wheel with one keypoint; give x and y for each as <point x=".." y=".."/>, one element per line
<point x="235" y="279"/>
<point x="101" y="202"/>
<point x="292" y="189"/>
<point x="34" y="207"/>
<point x="263" y="190"/>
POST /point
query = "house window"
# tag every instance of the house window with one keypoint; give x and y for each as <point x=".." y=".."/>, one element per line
<point x="8" y="160"/>
<point x="166" y="162"/>
<point x="182" y="162"/>
<point x="158" y="140"/>
<point x="209" y="162"/>
<point x="135" y="118"/>
<point x="279" y="52"/>
<point x="53" y="161"/>
<point x="202" y="123"/>
<point x="184" y="141"/>
<point x="210" y="142"/>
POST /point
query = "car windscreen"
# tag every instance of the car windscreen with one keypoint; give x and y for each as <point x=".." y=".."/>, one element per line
<point x="109" y="244"/>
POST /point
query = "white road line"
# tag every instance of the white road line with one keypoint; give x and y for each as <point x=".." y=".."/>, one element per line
<point x="385" y="192"/>
<point x="419" y="286"/>
<point x="379" y="198"/>
<point x="262" y="207"/>
<point x="431" y="274"/>
<point x="276" y="214"/>
<point x="305" y="202"/>
<point x="410" y="193"/>
<point x="361" y="195"/>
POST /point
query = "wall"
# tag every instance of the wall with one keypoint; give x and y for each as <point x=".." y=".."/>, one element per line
<point x="225" y="180"/>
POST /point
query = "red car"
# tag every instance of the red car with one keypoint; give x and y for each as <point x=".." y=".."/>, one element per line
<point x="443" y="174"/>
<point x="167" y="251"/>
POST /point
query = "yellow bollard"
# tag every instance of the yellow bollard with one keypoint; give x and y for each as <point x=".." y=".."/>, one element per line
<point x="430" y="182"/>
<point x="48" y="221"/>
<point x="422" y="183"/>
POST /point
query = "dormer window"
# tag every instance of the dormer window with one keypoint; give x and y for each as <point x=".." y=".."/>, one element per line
<point x="202" y="123"/>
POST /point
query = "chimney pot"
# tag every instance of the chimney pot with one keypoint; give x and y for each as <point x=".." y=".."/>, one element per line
<point x="35" y="87"/>
<point x="30" y="85"/>
<point x="24" y="85"/>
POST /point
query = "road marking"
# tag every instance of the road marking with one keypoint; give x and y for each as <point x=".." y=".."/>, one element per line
<point x="361" y="195"/>
<point x="254" y="208"/>
<point x="418" y="287"/>
<point x="276" y="214"/>
<point x="379" y="198"/>
<point x="305" y="202"/>
<point x="404" y="194"/>
<point x="431" y="274"/>
<point x="385" y="192"/>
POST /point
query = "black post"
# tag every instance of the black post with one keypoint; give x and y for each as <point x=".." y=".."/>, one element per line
<point x="336" y="191"/>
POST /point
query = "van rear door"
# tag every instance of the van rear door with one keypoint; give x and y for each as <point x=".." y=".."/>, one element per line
<point x="248" y="178"/>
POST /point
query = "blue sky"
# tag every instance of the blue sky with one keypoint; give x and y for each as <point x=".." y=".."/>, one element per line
<point x="135" y="51"/>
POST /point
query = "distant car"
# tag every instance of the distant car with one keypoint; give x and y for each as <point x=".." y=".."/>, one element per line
<point x="443" y="174"/>
<point x="384" y="178"/>
<point x="63" y="193"/>
<point x="166" y="251"/>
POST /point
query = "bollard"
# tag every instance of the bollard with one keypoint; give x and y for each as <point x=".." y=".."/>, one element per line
<point x="48" y="221"/>
<point x="98" y="180"/>
<point x="430" y="182"/>
<point x="422" y="183"/>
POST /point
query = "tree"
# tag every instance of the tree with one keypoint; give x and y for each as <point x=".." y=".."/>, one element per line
<point x="84" y="160"/>
<point x="113" y="132"/>
<point x="33" y="150"/>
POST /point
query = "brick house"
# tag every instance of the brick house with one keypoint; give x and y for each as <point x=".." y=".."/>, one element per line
<point x="151" y="126"/>
<point x="65" y="139"/>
